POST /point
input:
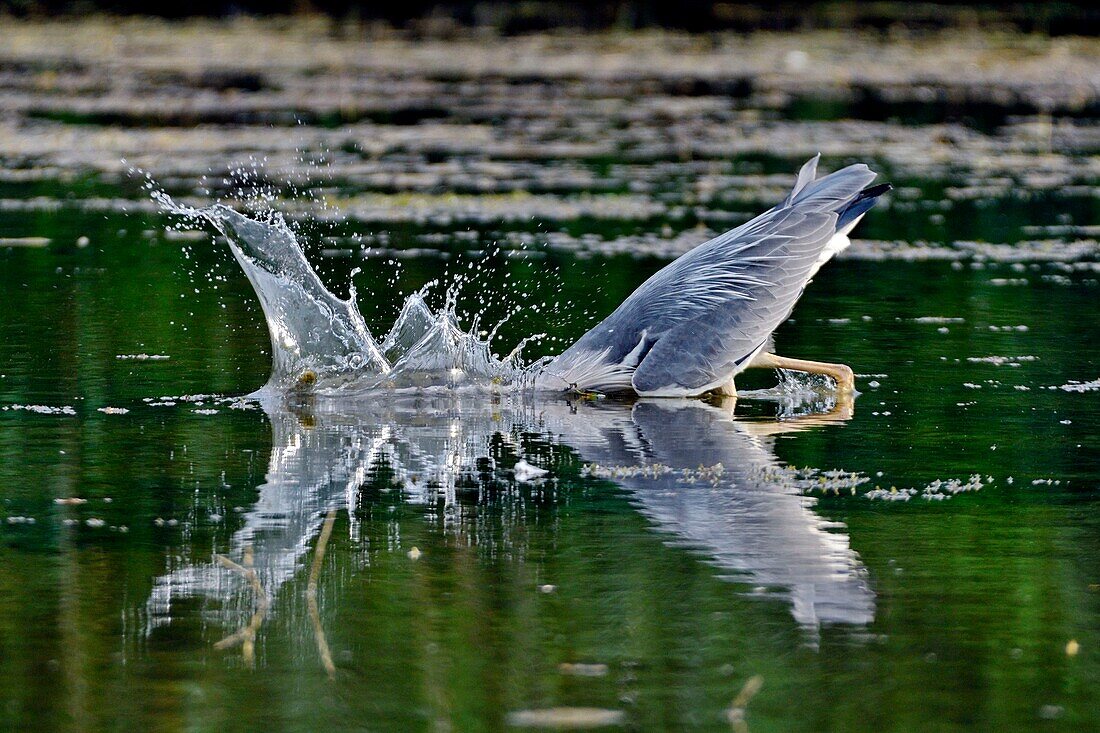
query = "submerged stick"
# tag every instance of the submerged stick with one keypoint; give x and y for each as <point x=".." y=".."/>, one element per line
<point x="246" y="636"/>
<point x="311" y="595"/>
<point x="736" y="712"/>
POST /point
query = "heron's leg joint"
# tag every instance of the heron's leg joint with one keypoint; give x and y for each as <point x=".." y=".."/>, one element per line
<point x="841" y="373"/>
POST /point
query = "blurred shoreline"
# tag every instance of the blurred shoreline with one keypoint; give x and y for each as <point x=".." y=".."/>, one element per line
<point x="1023" y="73"/>
<point x="354" y="123"/>
<point x="433" y="19"/>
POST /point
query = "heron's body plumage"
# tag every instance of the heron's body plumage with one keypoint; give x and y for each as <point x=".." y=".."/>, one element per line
<point x="699" y="321"/>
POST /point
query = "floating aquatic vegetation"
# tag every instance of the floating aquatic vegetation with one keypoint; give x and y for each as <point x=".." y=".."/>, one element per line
<point x="582" y="669"/>
<point x="941" y="489"/>
<point x="1072" y="386"/>
<point x="891" y="494"/>
<point x="566" y="718"/>
<point x="1047" y="250"/>
<point x="668" y="245"/>
<point x="42" y="409"/>
<point x="645" y="470"/>
<point x="937" y="490"/>
<point x="938" y="319"/>
<point x="142" y="357"/>
<point x="806" y="479"/>
<point x="454" y="209"/>
<point x="24" y="241"/>
<point x="1012" y="361"/>
<point x="191" y="398"/>
<point x="20" y="519"/>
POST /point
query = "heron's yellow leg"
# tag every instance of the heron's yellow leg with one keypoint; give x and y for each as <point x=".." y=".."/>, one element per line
<point x="841" y="373"/>
<point x="727" y="390"/>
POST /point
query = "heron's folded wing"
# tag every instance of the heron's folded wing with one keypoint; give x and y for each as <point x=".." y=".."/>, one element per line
<point x="701" y="352"/>
<point x="767" y="261"/>
<point x="698" y="355"/>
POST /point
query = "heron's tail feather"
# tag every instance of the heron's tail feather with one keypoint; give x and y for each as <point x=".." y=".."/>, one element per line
<point x="806" y="176"/>
<point x="831" y="192"/>
<point x="867" y="198"/>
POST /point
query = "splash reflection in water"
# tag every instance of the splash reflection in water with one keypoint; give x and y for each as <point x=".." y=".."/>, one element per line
<point x="705" y="479"/>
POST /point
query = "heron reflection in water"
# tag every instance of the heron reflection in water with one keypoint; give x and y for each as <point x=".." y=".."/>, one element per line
<point x="756" y="524"/>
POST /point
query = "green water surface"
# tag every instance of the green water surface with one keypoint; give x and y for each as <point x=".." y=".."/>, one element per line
<point x="454" y="592"/>
<point x="973" y="598"/>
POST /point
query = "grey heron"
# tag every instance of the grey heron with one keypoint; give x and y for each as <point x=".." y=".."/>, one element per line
<point x="709" y="315"/>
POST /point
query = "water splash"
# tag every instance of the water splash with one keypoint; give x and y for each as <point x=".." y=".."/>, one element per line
<point x="320" y="343"/>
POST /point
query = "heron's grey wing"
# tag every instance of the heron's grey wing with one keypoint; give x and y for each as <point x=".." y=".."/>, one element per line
<point x="763" y="264"/>
<point x="738" y="263"/>
<point x="700" y="353"/>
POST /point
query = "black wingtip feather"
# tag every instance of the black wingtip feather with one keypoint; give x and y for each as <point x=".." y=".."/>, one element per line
<point x="875" y="191"/>
<point x="861" y="204"/>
